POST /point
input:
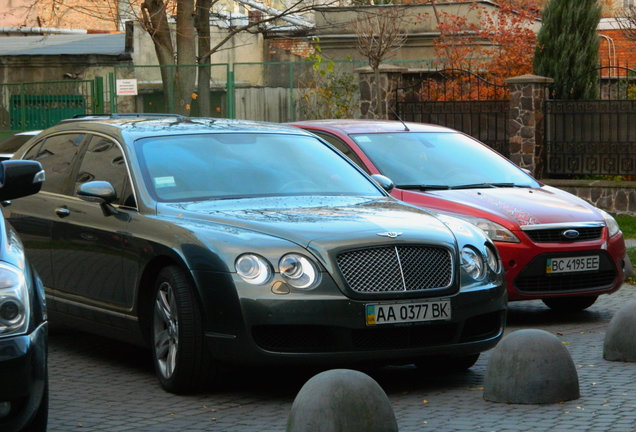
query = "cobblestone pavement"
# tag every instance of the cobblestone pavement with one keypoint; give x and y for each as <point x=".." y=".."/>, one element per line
<point x="100" y="385"/>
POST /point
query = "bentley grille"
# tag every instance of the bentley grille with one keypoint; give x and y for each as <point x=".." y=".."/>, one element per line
<point x="396" y="269"/>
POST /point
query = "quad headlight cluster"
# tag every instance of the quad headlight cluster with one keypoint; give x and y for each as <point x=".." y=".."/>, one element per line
<point x="475" y="264"/>
<point x="296" y="270"/>
<point x="14" y="301"/>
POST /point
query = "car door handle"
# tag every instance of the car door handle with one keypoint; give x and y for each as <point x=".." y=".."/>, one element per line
<point x="62" y="212"/>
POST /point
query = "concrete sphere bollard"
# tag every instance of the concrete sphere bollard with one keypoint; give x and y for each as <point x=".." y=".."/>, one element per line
<point x="341" y="400"/>
<point x="530" y="367"/>
<point x="620" y="339"/>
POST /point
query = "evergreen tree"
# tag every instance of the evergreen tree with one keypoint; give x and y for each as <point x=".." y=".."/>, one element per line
<point x="567" y="48"/>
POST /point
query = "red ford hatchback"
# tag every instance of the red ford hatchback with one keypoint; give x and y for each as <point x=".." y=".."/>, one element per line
<point x="554" y="246"/>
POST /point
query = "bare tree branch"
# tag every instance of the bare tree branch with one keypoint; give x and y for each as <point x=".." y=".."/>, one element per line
<point x="628" y="22"/>
<point x="378" y="34"/>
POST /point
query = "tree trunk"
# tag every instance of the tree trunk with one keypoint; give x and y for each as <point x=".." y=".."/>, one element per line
<point x="186" y="57"/>
<point x="380" y="112"/>
<point x="155" y="21"/>
<point x="203" y="31"/>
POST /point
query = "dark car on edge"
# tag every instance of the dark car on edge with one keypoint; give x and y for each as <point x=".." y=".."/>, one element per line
<point x="216" y="241"/>
<point x="23" y="320"/>
<point x="10" y="144"/>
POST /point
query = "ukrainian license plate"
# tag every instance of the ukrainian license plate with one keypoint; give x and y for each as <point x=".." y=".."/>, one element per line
<point x="395" y="313"/>
<point x="572" y="264"/>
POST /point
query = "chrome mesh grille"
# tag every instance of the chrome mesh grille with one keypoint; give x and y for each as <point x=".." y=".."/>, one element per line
<point x="396" y="269"/>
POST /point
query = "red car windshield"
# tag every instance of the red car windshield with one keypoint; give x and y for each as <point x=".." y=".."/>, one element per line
<point x="439" y="160"/>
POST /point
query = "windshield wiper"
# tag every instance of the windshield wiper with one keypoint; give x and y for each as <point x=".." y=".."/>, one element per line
<point x="422" y="187"/>
<point x="483" y="185"/>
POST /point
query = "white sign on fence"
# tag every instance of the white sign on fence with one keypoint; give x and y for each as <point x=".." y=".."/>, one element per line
<point x="126" y="87"/>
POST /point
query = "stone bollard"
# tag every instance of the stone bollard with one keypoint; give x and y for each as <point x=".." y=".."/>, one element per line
<point x="620" y="339"/>
<point x="341" y="400"/>
<point x="531" y="367"/>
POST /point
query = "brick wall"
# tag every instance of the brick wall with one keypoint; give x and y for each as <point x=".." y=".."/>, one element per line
<point x="616" y="49"/>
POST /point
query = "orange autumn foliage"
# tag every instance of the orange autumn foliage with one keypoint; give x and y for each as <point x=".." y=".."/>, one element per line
<point x="499" y="44"/>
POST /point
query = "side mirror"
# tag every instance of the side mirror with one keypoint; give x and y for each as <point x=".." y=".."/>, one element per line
<point x="101" y="192"/>
<point x="527" y="171"/>
<point x="384" y="182"/>
<point x="20" y="178"/>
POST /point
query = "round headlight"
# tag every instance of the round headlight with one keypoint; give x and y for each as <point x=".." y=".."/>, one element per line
<point x="472" y="263"/>
<point x="10" y="311"/>
<point x="492" y="258"/>
<point x="298" y="271"/>
<point x="253" y="269"/>
<point x="14" y="301"/>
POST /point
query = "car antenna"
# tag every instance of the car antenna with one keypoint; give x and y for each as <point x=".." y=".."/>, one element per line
<point x="406" y="128"/>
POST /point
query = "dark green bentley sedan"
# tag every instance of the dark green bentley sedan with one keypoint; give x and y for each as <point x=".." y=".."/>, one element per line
<point x="230" y="242"/>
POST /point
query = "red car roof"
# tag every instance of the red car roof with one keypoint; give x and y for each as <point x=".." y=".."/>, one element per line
<point x="370" y="126"/>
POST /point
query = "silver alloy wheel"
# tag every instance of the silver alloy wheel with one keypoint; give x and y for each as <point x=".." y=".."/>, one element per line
<point x="166" y="330"/>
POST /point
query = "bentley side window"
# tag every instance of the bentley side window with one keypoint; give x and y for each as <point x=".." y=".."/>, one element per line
<point x="104" y="160"/>
<point x="56" y="154"/>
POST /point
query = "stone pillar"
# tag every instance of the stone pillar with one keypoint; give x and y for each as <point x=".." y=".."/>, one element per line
<point x="390" y="78"/>
<point x="525" y="121"/>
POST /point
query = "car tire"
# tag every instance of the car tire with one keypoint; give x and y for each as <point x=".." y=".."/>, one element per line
<point x="447" y="364"/>
<point x="177" y="333"/>
<point x="40" y="420"/>
<point x="569" y="304"/>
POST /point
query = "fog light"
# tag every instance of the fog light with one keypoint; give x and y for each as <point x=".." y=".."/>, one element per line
<point x="5" y="408"/>
<point x="9" y="311"/>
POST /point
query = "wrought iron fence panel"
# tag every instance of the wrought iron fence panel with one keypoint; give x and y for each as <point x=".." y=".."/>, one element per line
<point x="460" y="100"/>
<point x="590" y="138"/>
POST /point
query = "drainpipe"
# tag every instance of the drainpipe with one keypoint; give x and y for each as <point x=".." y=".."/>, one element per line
<point x="611" y="50"/>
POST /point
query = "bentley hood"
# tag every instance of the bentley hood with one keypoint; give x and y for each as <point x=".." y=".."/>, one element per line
<point x="326" y="221"/>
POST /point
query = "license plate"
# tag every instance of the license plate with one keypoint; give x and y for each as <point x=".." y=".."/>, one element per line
<point x="572" y="264"/>
<point x="394" y="313"/>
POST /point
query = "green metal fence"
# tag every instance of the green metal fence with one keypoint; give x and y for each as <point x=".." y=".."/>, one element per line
<point x="37" y="105"/>
<point x="269" y="91"/>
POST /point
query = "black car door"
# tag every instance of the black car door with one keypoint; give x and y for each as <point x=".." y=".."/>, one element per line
<point x="88" y="261"/>
<point x="33" y="216"/>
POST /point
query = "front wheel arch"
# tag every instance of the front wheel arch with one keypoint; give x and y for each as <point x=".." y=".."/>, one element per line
<point x="181" y="360"/>
<point x="146" y="292"/>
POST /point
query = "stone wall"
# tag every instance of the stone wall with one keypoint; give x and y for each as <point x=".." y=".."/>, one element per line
<point x="617" y="198"/>
<point x="372" y="105"/>
<point x="525" y="132"/>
